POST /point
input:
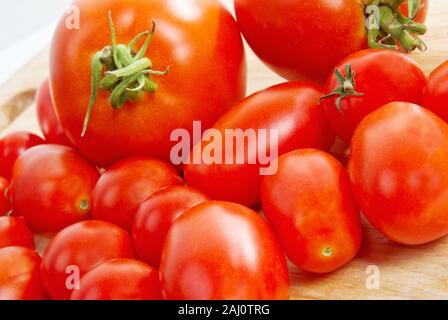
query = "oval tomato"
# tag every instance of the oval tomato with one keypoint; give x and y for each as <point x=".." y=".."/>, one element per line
<point x="78" y="249"/>
<point x="120" y="279"/>
<point x="51" y="187"/>
<point x="224" y="251"/>
<point x="15" y="232"/>
<point x="155" y="217"/>
<point x="290" y="109"/>
<point x="436" y="92"/>
<point x="398" y="169"/>
<point x="5" y="205"/>
<point x="310" y="206"/>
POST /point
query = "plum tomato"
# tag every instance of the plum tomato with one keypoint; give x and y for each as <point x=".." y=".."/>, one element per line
<point x="435" y="97"/>
<point x="5" y="205"/>
<point x="15" y="232"/>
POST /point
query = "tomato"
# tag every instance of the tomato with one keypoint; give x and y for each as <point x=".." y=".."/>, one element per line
<point x="46" y="115"/>
<point x="311" y="208"/>
<point x="373" y="81"/>
<point x="436" y="92"/>
<point x="398" y="169"/>
<point x="222" y="251"/>
<point x="5" y="206"/>
<point x="20" y="275"/>
<point x="422" y="12"/>
<point x="15" y="232"/>
<point x="120" y="279"/>
<point x="79" y="248"/>
<point x="289" y="108"/>
<point x="198" y="40"/>
<point x="124" y="186"/>
<point x="12" y="146"/>
<point x="155" y="217"/>
<point x="51" y="187"/>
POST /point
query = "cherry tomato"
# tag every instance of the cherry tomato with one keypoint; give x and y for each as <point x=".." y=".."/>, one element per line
<point x="398" y="169"/>
<point x="78" y="249"/>
<point x="436" y="93"/>
<point x="289" y="108"/>
<point x="46" y="115"/>
<point x="310" y="206"/>
<point x="120" y="279"/>
<point x="20" y="275"/>
<point x="374" y="80"/>
<point x="51" y="187"/>
<point x="124" y="186"/>
<point x="222" y="251"/>
<point x="155" y="217"/>
<point x="15" y="232"/>
<point x="5" y="206"/>
<point x="12" y="146"/>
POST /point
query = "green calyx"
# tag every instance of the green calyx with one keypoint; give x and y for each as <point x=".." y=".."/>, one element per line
<point x="122" y="71"/>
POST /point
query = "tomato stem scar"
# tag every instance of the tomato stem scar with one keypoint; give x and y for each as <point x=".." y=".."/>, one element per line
<point x="327" y="252"/>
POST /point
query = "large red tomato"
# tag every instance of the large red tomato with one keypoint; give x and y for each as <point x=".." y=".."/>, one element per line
<point x="222" y="251"/>
<point x="399" y="171"/>
<point x="15" y="232"/>
<point x="198" y="40"/>
<point x="436" y="93"/>
<point x="5" y="205"/>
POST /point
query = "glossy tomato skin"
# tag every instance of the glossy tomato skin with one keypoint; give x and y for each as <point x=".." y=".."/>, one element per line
<point x="120" y="279"/>
<point x="436" y="92"/>
<point x="15" y="232"/>
<point x="382" y="76"/>
<point x="291" y="108"/>
<point x="83" y="245"/>
<point x="198" y="39"/>
<point x="397" y="166"/>
<point x="20" y="274"/>
<point x="222" y="251"/>
<point x="12" y="146"/>
<point x="311" y="208"/>
<point x="302" y="40"/>
<point x="51" y="187"/>
<point x="124" y="186"/>
<point x="5" y="205"/>
<point x="155" y="217"/>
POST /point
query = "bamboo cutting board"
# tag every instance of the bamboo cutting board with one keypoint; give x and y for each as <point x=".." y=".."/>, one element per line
<point x="382" y="270"/>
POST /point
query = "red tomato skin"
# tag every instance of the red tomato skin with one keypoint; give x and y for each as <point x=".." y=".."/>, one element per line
<point x="5" y="206"/>
<point x="436" y="92"/>
<point x="222" y="251"/>
<point x="155" y="217"/>
<point x="85" y="245"/>
<point x="302" y="40"/>
<point x="310" y="206"/>
<point x="12" y="146"/>
<point x="292" y="109"/>
<point x="49" y="185"/>
<point x="20" y="274"/>
<point x="15" y="232"/>
<point x="380" y="80"/>
<point x="120" y="279"/>
<point x="46" y="116"/>
<point x="398" y="172"/>
<point x="124" y="186"/>
<point x="422" y="15"/>
<point x="198" y="39"/>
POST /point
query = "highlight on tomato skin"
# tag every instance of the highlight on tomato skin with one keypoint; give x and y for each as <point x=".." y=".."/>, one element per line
<point x="15" y="232"/>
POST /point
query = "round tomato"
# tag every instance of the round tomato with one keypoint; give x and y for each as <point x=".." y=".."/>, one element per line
<point x="269" y="123"/>
<point x="155" y="217"/>
<point x="398" y="169"/>
<point x="197" y="40"/>
<point x="124" y="186"/>
<point x="12" y="146"/>
<point x="20" y="275"/>
<point x="15" y="232"/>
<point x="367" y="80"/>
<point x="5" y="206"/>
<point x="78" y="249"/>
<point x="436" y="93"/>
<point x="51" y="187"/>
<point x="310" y="206"/>
<point x="222" y="251"/>
<point x="120" y="279"/>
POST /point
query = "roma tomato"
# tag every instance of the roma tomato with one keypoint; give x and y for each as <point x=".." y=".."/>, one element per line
<point x="15" y="232"/>
<point x="222" y="251"/>
<point x="155" y="217"/>
<point x="20" y="275"/>
<point x="120" y="279"/>
<point x="310" y="206"/>
<point x="12" y="146"/>
<point x="124" y="186"/>
<point x="269" y="123"/>
<point x="198" y="40"/>
<point x="5" y="205"/>
<point x="51" y="187"/>
<point x="367" y="80"/>
<point x="436" y="92"/>
<point x="46" y="115"/>
<point x="78" y="249"/>
<point x="399" y="173"/>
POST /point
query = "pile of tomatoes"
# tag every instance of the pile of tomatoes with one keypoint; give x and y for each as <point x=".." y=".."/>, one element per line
<point x="125" y="223"/>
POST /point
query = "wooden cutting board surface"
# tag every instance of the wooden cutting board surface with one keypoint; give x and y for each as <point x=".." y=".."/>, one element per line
<point x="382" y="270"/>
